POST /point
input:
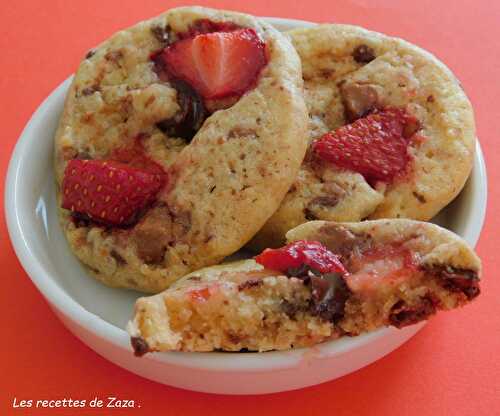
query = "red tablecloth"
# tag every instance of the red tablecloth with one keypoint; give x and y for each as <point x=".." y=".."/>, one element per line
<point x="451" y="367"/>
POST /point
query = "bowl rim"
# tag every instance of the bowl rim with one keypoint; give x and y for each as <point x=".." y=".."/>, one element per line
<point x="213" y="361"/>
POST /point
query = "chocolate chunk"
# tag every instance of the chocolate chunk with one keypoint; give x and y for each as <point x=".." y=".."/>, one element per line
<point x="325" y="201"/>
<point x="459" y="280"/>
<point x="140" y="346"/>
<point x="249" y="284"/>
<point x="363" y="54"/>
<point x="195" y="278"/>
<point x="151" y="244"/>
<point x="153" y="235"/>
<point x="309" y="215"/>
<point x="292" y="309"/>
<point x="90" y="90"/>
<point x="81" y="220"/>
<point x="162" y="227"/>
<point x="329" y="295"/>
<point x="419" y="197"/>
<point x="118" y="257"/>
<point x="190" y="118"/>
<point x="90" y="54"/>
<point x="163" y="34"/>
<point x="341" y="240"/>
<point x="301" y="272"/>
<point x="358" y="99"/>
<point x="320" y="201"/>
<point x="402" y="315"/>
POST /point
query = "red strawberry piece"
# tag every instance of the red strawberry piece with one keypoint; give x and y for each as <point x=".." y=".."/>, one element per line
<point x="135" y="157"/>
<point x="381" y="267"/>
<point x="108" y="192"/>
<point x="299" y="253"/>
<point x="218" y="64"/>
<point x="375" y="146"/>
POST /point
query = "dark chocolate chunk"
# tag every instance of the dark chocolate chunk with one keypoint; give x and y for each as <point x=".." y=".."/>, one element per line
<point x="419" y="197"/>
<point x="329" y="295"/>
<point x="195" y="278"/>
<point x="402" y="315"/>
<point x="303" y="272"/>
<point x="309" y="215"/>
<point x="90" y="90"/>
<point x="190" y="118"/>
<point x="291" y="309"/>
<point x="90" y="54"/>
<point x="325" y="201"/>
<point x="140" y="346"/>
<point x="341" y="241"/>
<point x="162" y="33"/>
<point x="319" y="201"/>
<point x="457" y="280"/>
<point x="81" y="220"/>
<point x="118" y="257"/>
<point x="250" y="284"/>
<point x="363" y="54"/>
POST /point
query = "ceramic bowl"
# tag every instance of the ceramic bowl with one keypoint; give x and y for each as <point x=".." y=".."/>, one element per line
<point x="97" y="314"/>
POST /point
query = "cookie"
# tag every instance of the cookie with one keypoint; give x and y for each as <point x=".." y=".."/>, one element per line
<point x="331" y="280"/>
<point x="165" y="162"/>
<point x="349" y="73"/>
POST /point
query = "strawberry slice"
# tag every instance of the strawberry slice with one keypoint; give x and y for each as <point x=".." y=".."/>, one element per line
<point x="299" y="253"/>
<point x="380" y="268"/>
<point x="375" y="146"/>
<point x="108" y="192"/>
<point x="217" y="64"/>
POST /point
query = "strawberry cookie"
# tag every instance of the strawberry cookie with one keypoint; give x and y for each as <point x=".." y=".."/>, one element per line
<point x="391" y="132"/>
<point x="331" y="280"/>
<point x="180" y="137"/>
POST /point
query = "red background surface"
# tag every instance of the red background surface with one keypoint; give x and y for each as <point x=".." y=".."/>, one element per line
<point x="451" y="367"/>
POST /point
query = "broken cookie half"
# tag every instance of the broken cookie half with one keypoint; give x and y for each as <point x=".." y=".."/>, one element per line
<point x="331" y="280"/>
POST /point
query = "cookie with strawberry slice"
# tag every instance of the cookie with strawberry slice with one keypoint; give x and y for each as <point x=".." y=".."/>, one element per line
<point x="179" y="138"/>
<point x="391" y="132"/>
<point x="330" y="280"/>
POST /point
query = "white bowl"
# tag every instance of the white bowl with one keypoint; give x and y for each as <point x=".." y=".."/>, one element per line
<point x="97" y="314"/>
